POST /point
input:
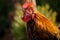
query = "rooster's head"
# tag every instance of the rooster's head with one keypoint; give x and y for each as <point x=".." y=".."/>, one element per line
<point x="28" y="12"/>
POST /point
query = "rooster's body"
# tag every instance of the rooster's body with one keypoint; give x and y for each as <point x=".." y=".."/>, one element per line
<point x="40" y="28"/>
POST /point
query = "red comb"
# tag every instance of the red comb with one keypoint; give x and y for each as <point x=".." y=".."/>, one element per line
<point x="27" y="4"/>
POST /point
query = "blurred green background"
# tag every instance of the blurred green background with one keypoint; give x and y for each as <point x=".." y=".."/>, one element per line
<point x="49" y="8"/>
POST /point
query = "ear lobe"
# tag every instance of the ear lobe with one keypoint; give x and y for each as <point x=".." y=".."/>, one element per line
<point x="33" y="16"/>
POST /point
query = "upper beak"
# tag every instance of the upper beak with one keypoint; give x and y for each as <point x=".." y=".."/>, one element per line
<point x="20" y="8"/>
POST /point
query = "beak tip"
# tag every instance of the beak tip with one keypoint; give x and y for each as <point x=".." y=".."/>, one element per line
<point x="21" y="8"/>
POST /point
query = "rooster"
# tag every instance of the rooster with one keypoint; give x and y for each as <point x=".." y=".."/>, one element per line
<point x="38" y="26"/>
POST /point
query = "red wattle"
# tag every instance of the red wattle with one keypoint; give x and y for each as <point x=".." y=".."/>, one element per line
<point x="26" y="19"/>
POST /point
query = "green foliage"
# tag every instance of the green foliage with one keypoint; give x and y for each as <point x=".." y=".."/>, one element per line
<point x="19" y="27"/>
<point x="48" y="13"/>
